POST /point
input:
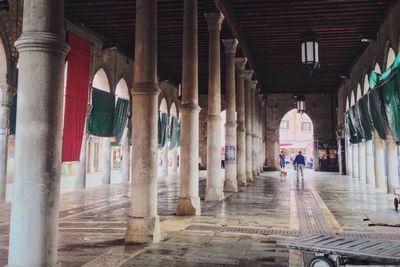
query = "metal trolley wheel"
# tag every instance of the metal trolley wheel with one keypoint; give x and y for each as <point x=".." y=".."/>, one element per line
<point x="321" y="261"/>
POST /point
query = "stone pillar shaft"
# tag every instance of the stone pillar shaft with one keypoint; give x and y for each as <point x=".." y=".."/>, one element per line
<point x="125" y="165"/>
<point x="249" y="138"/>
<point x="355" y="161"/>
<point x="106" y="161"/>
<point x="214" y="189"/>
<point x="189" y="201"/>
<point x="349" y="157"/>
<point x="392" y="165"/>
<point x="143" y="221"/>
<point x="241" y="129"/>
<point x="80" y="182"/>
<point x="4" y="115"/>
<point x="164" y="167"/>
<point x="370" y="163"/>
<point x="362" y="162"/>
<point x="380" y="177"/>
<point x="34" y="210"/>
<point x="230" y="184"/>
<point x="254" y="127"/>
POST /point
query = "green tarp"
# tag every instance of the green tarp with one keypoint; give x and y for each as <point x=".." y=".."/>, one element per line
<point x="101" y="117"/>
<point x="13" y="115"/>
<point x="162" y="129"/>
<point x="355" y="136"/>
<point x="373" y="79"/>
<point x="364" y="117"/>
<point x="173" y="132"/>
<point x="376" y="112"/>
<point x="121" y="113"/>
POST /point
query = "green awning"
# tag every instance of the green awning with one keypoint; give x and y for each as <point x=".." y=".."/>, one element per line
<point x="121" y="114"/>
<point x="376" y="112"/>
<point x="162" y="129"/>
<point x="364" y="117"/>
<point x="13" y="115"/>
<point x="391" y="100"/>
<point x="101" y="117"/>
<point x="173" y="132"/>
<point x="355" y="136"/>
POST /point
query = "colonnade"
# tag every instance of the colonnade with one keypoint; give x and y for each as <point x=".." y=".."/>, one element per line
<point x="42" y="51"/>
<point x="374" y="162"/>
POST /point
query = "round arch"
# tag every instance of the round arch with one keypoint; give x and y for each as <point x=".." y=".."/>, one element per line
<point x="366" y="84"/>
<point x="100" y="81"/>
<point x="347" y="104"/>
<point x="163" y="106"/>
<point x="390" y="57"/>
<point x="352" y="99"/>
<point x="3" y="62"/>
<point x="377" y="68"/>
<point x="173" y="111"/>
<point x="359" y="92"/>
<point x="122" y="90"/>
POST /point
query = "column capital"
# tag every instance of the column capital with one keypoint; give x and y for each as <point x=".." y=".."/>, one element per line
<point x="248" y="74"/>
<point x="240" y="63"/>
<point x="42" y="41"/>
<point x="214" y="20"/>
<point x="253" y="84"/>
<point x="145" y="88"/>
<point x="230" y="45"/>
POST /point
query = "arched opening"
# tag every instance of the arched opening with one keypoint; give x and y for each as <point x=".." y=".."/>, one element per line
<point x="366" y="84"/>
<point x="391" y="56"/>
<point x="99" y="148"/>
<point x="120" y="150"/>
<point x="174" y="151"/>
<point x="163" y="147"/>
<point x="296" y="133"/>
<point x="359" y="92"/>
<point x="347" y="104"/>
<point x="377" y="68"/>
<point x="352" y="99"/>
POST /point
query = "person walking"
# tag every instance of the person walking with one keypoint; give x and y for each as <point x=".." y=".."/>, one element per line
<point x="299" y="162"/>
<point x="282" y="160"/>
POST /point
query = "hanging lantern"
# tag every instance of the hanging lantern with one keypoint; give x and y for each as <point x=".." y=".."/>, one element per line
<point x="309" y="50"/>
<point x="301" y="104"/>
<point x="4" y="5"/>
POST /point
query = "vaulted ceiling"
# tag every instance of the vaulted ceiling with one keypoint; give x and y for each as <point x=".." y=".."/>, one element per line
<point x="269" y="32"/>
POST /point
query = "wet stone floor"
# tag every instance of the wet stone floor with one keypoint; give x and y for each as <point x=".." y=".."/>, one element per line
<point x="242" y="230"/>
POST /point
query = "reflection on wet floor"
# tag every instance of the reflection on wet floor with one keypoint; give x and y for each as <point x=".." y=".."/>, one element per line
<point x="93" y="221"/>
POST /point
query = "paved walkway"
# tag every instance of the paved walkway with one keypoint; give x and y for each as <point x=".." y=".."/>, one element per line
<point x="240" y="231"/>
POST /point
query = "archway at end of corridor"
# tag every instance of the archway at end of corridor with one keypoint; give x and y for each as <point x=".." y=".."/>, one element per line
<point x="296" y="133"/>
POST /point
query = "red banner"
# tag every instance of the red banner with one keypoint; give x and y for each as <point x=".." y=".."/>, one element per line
<point x="76" y="97"/>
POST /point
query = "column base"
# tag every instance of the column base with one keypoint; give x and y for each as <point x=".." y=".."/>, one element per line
<point x="242" y="181"/>
<point x="189" y="206"/>
<point x="214" y="194"/>
<point x="255" y="174"/>
<point x="250" y="178"/>
<point x="230" y="186"/>
<point x="142" y="230"/>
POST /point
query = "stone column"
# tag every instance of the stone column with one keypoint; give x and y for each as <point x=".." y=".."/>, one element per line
<point x="240" y="64"/>
<point x="392" y="163"/>
<point x="80" y="182"/>
<point x="125" y="164"/>
<point x="106" y="161"/>
<point x="189" y="201"/>
<point x="254" y="127"/>
<point x="349" y="160"/>
<point x="214" y="189"/>
<point x="355" y="161"/>
<point x="230" y="184"/>
<point x="261" y="136"/>
<point x="174" y="161"/>
<point x="248" y="74"/>
<point x="164" y="167"/>
<point x="379" y="162"/>
<point x="4" y="115"/>
<point x="143" y="220"/>
<point x="370" y="163"/>
<point x="34" y="210"/>
<point x="362" y="162"/>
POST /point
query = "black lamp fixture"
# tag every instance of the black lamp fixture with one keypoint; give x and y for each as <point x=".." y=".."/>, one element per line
<point x="4" y="5"/>
<point x="300" y="104"/>
<point x="309" y="50"/>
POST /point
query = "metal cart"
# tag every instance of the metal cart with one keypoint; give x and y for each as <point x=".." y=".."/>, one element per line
<point x="337" y="251"/>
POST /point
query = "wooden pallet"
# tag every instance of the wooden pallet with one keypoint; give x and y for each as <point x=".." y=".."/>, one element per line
<point x="376" y="250"/>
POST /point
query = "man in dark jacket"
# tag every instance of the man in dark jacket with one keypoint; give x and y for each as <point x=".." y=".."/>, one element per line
<point x="299" y="162"/>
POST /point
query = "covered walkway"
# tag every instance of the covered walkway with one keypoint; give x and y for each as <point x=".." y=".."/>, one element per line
<point x="242" y="230"/>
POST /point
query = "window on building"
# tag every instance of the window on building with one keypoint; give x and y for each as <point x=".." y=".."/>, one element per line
<point x="284" y="124"/>
<point x="306" y="126"/>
